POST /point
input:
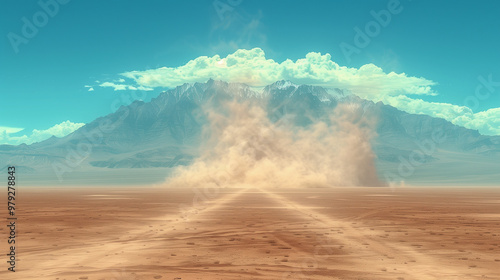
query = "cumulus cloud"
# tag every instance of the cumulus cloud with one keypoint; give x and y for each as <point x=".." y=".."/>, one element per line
<point x="7" y="129"/>
<point x="58" y="130"/>
<point x="114" y="86"/>
<point x="369" y="81"/>
<point x="90" y="88"/>
<point x="253" y="68"/>
<point x="124" y="87"/>
<point x="486" y="122"/>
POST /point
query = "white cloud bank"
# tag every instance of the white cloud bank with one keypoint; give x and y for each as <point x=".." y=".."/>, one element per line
<point x="9" y="130"/>
<point x="486" y="122"/>
<point x="58" y="130"/>
<point x="124" y="87"/>
<point x="251" y="67"/>
<point x="369" y="81"/>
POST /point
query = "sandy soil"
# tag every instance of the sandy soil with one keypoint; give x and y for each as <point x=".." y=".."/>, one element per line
<point x="247" y="233"/>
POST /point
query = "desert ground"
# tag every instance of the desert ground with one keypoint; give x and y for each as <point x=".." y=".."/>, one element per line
<point x="248" y="233"/>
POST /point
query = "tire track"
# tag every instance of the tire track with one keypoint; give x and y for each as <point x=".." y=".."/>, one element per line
<point x="422" y="267"/>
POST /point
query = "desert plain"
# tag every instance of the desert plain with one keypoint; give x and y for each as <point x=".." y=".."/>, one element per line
<point x="102" y="233"/>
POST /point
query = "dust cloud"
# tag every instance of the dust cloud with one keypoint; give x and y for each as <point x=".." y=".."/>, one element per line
<point x="242" y="148"/>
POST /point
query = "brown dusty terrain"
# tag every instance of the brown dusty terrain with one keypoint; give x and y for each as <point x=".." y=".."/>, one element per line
<point x="343" y="233"/>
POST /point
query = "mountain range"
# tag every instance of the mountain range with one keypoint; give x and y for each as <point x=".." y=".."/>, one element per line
<point x="143" y="142"/>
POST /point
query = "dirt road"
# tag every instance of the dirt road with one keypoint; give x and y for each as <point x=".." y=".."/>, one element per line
<point x="248" y="233"/>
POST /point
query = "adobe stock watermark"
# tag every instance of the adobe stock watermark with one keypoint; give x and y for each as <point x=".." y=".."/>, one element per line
<point x="407" y="165"/>
<point x="223" y="7"/>
<point x="94" y="136"/>
<point x="206" y="194"/>
<point x="484" y="90"/>
<point x="363" y="37"/>
<point x="31" y="26"/>
<point x="201" y="197"/>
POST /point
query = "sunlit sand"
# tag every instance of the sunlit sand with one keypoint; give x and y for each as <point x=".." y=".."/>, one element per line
<point x="250" y="233"/>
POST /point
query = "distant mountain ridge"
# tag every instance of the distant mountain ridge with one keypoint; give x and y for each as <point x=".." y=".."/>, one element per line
<point x="166" y="132"/>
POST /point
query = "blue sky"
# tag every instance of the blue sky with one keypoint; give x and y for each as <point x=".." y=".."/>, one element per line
<point x="444" y="48"/>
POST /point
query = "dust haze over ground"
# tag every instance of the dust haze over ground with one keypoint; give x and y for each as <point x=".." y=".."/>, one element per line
<point x="243" y="147"/>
